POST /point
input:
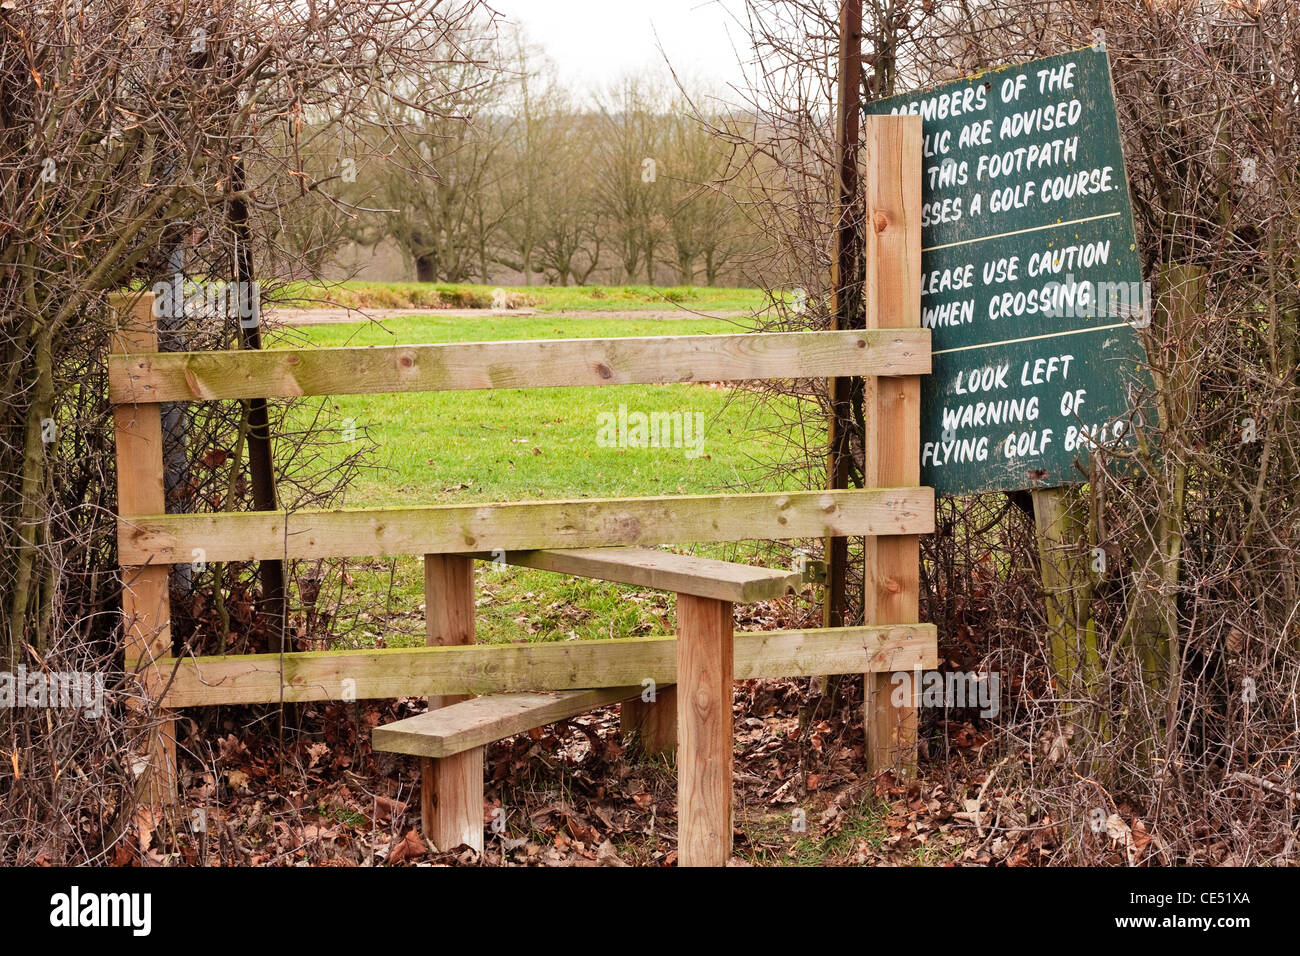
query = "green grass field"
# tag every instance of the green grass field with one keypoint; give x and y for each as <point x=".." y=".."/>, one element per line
<point x="503" y="445"/>
<point x="432" y="295"/>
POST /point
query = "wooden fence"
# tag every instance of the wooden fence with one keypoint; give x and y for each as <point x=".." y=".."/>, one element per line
<point x="703" y="659"/>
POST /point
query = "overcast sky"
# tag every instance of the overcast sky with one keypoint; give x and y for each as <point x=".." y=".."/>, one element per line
<point x="595" y="41"/>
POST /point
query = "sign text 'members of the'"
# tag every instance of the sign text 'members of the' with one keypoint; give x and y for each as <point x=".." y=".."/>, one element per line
<point x="1030" y="277"/>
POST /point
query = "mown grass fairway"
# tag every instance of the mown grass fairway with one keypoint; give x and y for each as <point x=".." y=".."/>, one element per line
<point x="504" y="445"/>
<point x="432" y="295"/>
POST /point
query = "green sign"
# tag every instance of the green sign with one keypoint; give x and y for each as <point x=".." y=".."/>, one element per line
<point x="1030" y="278"/>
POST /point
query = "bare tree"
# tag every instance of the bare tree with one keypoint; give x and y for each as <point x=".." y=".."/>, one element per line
<point x="702" y="220"/>
<point x="431" y="173"/>
<point x="537" y="160"/>
<point x="629" y="153"/>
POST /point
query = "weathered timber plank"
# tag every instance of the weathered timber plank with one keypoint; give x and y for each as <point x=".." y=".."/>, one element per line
<point x="507" y="668"/>
<point x="705" y="684"/>
<point x="451" y="790"/>
<point x="892" y="177"/>
<point x="663" y="571"/>
<point x="146" y="604"/>
<point x="653" y="722"/>
<point x="190" y="376"/>
<point x="595" y="522"/>
<point x="456" y="784"/>
<point x="482" y="720"/>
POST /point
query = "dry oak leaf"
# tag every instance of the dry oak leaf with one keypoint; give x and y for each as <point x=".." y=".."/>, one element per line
<point x="315" y="752"/>
<point x="145" y="823"/>
<point x="387" y="807"/>
<point x="408" y="847"/>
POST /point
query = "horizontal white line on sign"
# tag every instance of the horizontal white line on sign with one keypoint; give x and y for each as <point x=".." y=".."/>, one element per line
<point x="1016" y="232"/>
<point x="1031" y="338"/>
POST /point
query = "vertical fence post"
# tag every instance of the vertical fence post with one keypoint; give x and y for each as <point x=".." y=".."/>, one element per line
<point x="654" y="722"/>
<point x="705" y="675"/>
<point x="146" y="605"/>
<point x="451" y="792"/>
<point x="892" y="409"/>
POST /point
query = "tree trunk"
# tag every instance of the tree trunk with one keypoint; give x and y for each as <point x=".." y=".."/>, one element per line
<point x="261" y="463"/>
<point x="1152" y="624"/>
<point x="848" y="273"/>
<point x="1067" y="591"/>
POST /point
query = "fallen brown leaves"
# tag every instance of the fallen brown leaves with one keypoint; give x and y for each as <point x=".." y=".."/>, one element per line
<point x="573" y="795"/>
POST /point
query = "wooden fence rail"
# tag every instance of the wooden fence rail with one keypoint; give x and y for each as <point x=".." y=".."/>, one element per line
<point x="505" y="668"/>
<point x="584" y="523"/>
<point x="547" y="363"/>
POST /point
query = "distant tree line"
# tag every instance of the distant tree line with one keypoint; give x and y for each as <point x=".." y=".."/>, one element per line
<point x="522" y="178"/>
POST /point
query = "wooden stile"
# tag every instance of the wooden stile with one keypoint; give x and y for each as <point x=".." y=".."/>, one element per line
<point x="892" y="409"/>
<point x="146" y="604"/>
<point x="605" y="539"/>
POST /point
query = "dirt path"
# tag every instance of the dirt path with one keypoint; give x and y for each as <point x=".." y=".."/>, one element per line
<point x="341" y="316"/>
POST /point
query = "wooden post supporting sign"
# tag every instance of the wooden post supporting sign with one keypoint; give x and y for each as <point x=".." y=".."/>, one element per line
<point x="892" y="412"/>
